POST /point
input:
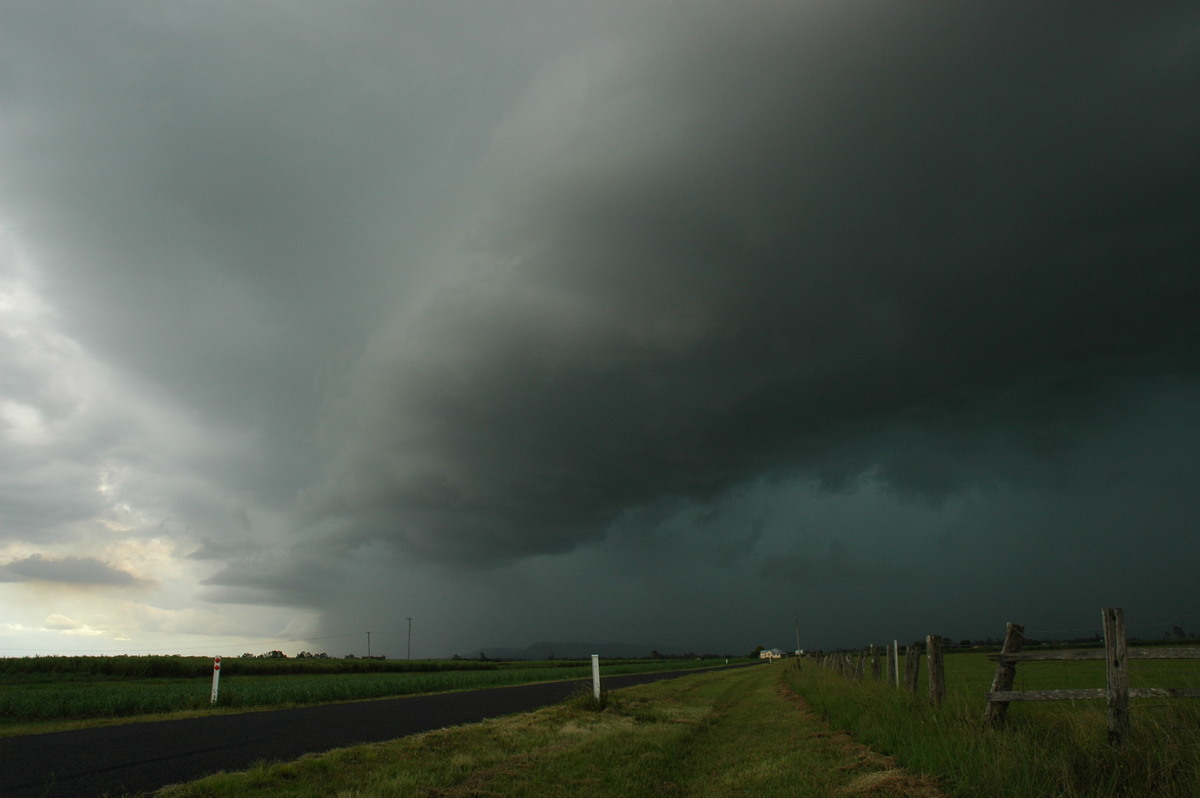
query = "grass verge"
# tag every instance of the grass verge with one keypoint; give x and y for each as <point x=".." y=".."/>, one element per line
<point x="739" y="732"/>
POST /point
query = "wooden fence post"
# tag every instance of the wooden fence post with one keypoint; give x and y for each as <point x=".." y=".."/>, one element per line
<point x="1116" y="656"/>
<point x="858" y="666"/>
<point x="874" y="663"/>
<point x="1117" y="672"/>
<point x="1006" y="672"/>
<point x="937" y="671"/>
<point x="912" y="666"/>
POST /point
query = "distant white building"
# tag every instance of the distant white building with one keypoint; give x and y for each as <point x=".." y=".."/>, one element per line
<point x="770" y="653"/>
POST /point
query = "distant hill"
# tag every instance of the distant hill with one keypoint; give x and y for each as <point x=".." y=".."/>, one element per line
<point x="555" y="650"/>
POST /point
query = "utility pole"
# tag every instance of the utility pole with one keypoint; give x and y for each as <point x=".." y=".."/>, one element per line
<point x="410" y="638"/>
<point x="797" y="640"/>
<point x="368" y="645"/>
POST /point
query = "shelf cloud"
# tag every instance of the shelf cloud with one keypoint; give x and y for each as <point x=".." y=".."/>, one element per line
<point x="659" y="320"/>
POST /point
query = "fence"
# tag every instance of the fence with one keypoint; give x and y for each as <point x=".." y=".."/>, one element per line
<point x="847" y="665"/>
<point x="1116" y="655"/>
<point x="1117" y="691"/>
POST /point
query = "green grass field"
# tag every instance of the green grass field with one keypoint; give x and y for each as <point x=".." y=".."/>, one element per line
<point x="1053" y="748"/>
<point x="52" y="690"/>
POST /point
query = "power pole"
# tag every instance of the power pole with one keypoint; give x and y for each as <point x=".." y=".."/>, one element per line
<point x="368" y="645"/>
<point x="797" y="635"/>
<point x="410" y="638"/>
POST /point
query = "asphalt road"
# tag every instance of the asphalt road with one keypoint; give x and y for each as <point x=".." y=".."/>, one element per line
<point x="142" y="757"/>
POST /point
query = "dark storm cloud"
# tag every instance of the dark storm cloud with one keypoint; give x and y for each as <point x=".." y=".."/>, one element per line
<point x="837" y="564"/>
<point x="217" y="198"/>
<point x="67" y="571"/>
<point x="793" y="241"/>
<point x="681" y="312"/>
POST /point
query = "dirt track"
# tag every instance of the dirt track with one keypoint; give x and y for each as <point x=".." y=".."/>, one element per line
<point x="142" y="757"/>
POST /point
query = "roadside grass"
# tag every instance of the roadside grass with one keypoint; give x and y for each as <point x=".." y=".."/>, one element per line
<point x="44" y="700"/>
<point x="737" y="732"/>
<point x="1053" y="748"/>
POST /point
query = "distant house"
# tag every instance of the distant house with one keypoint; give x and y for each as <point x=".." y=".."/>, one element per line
<point x="770" y="653"/>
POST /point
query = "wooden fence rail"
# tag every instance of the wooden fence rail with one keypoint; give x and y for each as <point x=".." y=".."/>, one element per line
<point x="1117" y="690"/>
<point x="1115" y="654"/>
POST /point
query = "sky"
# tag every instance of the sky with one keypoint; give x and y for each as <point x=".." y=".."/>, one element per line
<point x="694" y="325"/>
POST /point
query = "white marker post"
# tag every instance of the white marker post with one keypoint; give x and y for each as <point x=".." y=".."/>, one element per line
<point x="216" y="677"/>
<point x="596" y="677"/>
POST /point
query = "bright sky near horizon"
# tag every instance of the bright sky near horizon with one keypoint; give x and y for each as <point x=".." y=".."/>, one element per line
<point x="642" y="321"/>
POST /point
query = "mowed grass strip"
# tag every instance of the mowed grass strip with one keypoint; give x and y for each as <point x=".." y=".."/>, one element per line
<point x="736" y="732"/>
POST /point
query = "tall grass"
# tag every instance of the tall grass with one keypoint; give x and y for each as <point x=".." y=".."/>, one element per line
<point x="1046" y="748"/>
